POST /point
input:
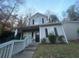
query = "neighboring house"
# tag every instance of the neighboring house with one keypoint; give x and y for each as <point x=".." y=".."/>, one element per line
<point x="53" y="18"/>
<point x="70" y="28"/>
<point x="39" y="28"/>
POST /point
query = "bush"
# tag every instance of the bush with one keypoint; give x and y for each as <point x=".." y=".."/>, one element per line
<point x="61" y="39"/>
<point x="52" y="38"/>
<point x="43" y="40"/>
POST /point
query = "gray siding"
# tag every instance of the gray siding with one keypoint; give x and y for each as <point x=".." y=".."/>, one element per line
<point x="70" y="29"/>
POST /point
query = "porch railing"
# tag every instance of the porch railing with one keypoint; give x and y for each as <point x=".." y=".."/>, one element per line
<point x="13" y="47"/>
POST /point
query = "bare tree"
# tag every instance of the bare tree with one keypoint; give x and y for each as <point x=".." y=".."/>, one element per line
<point x="10" y="6"/>
<point x="7" y="8"/>
<point x="73" y="13"/>
<point x="77" y="6"/>
<point x="48" y="13"/>
<point x="51" y="16"/>
<point x="29" y="12"/>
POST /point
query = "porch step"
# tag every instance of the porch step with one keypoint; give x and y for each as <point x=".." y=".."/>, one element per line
<point x="33" y="45"/>
<point x="30" y="48"/>
<point x="27" y="52"/>
<point x="24" y="54"/>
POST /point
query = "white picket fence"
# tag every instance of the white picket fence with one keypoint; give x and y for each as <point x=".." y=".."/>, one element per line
<point x="13" y="47"/>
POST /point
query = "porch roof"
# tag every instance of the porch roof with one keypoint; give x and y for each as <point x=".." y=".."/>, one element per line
<point x="30" y="28"/>
<point x="36" y="27"/>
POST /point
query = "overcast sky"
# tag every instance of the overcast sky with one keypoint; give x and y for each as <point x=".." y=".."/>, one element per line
<point x="56" y="6"/>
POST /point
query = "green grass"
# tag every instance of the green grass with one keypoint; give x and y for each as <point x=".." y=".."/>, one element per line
<point x="70" y="50"/>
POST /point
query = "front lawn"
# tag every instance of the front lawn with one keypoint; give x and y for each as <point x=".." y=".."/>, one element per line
<point x="70" y="50"/>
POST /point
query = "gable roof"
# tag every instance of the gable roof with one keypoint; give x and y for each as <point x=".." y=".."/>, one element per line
<point x="39" y="14"/>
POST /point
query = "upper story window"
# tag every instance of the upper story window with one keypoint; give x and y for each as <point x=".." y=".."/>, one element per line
<point x="42" y="20"/>
<point x="52" y="20"/>
<point x="33" y="21"/>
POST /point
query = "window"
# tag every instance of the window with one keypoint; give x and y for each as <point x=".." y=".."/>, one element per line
<point x="42" y="20"/>
<point x="46" y="32"/>
<point x="55" y="30"/>
<point x="33" y="21"/>
<point x="49" y="20"/>
<point x="52" y="20"/>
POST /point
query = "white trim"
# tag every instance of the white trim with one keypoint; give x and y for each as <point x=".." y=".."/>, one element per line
<point x="64" y="35"/>
<point x="12" y="47"/>
<point x="1" y="52"/>
<point x="6" y="47"/>
<point x="70" y="22"/>
<point x="11" y="50"/>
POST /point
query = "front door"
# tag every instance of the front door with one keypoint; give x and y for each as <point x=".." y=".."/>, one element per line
<point x="37" y="38"/>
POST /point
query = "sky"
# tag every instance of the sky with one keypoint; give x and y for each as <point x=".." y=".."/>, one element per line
<point x="56" y="6"/>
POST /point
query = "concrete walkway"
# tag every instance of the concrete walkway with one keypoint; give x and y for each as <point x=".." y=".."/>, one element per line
<point x="27" y="52"/>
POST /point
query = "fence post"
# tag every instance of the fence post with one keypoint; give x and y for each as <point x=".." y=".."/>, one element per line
<point x="1" y="51"/>
<point x="11" y="49"/>
<point x="24" y="42"/>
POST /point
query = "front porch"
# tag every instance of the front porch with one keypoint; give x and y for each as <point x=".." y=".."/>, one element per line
<point x="32" y="31"/>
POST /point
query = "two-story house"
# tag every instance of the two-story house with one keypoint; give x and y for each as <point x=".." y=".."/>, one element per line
<point x="39" y="27"/>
